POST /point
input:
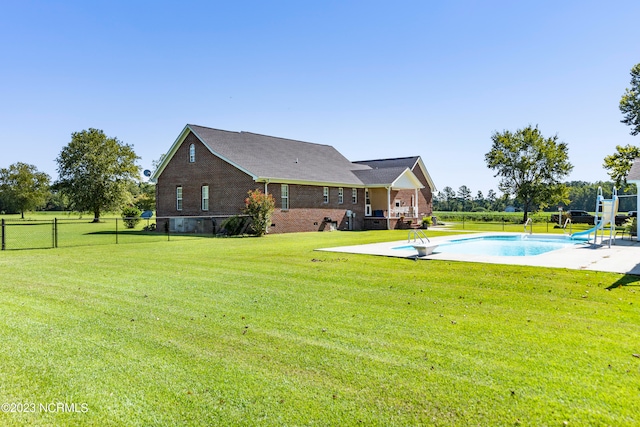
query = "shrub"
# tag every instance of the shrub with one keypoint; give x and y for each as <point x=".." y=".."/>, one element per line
<point x="234" y="225"/>
<point x="427" y="221"/>
<point x="131" y="216"/>
<point x="150" y="227"/>
<point x="259" y="207"/>
<point x="631" y="225"/>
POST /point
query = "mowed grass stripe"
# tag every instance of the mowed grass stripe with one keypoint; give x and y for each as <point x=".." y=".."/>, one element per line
<point x="267" y="332"/>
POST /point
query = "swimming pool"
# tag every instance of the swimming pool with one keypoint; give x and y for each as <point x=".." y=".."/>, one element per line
<point x="514" y="246"/>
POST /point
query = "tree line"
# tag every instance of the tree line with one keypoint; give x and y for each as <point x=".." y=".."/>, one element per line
<point x="531" y="168"/>
<point x="580" y="195"/>
<point x="96" y="174"/>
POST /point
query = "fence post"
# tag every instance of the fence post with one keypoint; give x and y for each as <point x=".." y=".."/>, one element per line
<point x="116" y="231"/>
<point x="55" y="232"/>
<point x="3" y="233"/>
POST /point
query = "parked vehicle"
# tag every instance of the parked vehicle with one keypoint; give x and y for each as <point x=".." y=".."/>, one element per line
<point x="576" y="216"/>
<point x="584" y="217"/>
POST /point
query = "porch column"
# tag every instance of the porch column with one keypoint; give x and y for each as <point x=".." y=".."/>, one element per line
<point x="388" y="208"/>
<point x="415" y="206"/>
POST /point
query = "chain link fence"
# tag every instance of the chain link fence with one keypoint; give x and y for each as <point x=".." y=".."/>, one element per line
<point x="18" y="234"/>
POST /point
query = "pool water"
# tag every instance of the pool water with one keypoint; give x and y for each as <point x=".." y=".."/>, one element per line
<point x="503" y="245"/>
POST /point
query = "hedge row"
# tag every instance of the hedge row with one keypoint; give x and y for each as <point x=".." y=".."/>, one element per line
<point x="509" y="217"/>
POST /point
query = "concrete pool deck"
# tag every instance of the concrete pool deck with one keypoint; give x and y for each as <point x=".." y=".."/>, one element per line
<point x="623" y="256"/>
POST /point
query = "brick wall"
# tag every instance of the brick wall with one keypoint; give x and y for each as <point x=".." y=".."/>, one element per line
<point x="373" y="223"/>
<point x="307" y="210"/>
<point x="228" y="187"/>
<point x="425" y="195"/>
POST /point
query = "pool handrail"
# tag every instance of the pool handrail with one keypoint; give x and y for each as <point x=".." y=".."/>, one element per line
<point x="417" y="234"/>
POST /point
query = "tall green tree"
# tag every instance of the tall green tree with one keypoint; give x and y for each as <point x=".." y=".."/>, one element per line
<point x="448" y="198"/>
<point x="479" y="202"/>
<point x="619" y="163"/>
<point x="491" y="200"/>
<point x="24" y="187"/>
<point x="630" y="102"/>
<point x="94" y="171"/>
<point x="530" y="167"/>
<point x="143" y="195"/>
<point x="582" y="195"/>
<point x="56" y="201"/>
<point x="464" y="197"/>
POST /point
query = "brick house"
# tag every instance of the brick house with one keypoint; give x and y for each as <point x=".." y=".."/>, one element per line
<point x="205" y="176"/>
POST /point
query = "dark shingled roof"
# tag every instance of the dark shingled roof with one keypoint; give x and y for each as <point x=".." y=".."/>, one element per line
<point x="403" y="162"/>
<point x="279" y="158"/>
<point x="268" y="158"/>
<point x="380" y="176"/>
<point x="634" y="173"/>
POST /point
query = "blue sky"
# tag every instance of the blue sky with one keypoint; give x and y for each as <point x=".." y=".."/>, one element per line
<point x="374" y="79"/>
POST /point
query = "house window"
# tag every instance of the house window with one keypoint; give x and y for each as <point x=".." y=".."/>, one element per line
<point x="354" y="195"/>
<point x="367" y="203"/>
<point x="284" y="194"/>
<point x="179" y="198"/>
<point x="205" y="197"/>
<point x="192" y="153"/>
<point x="325" y="194"/>
<point x="340" y="195"/>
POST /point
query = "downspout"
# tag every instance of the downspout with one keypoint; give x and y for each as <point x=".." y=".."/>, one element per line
<point x="266" y="192"/>
<point x="388" y="208"/>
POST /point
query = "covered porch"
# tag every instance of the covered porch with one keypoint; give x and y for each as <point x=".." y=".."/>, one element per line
<point x="395" y="205"/>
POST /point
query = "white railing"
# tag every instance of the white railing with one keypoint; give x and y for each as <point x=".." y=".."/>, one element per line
<point x="399" y="212"/>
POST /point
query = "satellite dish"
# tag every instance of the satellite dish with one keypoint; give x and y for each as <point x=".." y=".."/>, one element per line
<point x="147" y="173"/>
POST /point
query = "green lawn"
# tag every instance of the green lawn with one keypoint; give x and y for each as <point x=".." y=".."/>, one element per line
<point x="36" y="231"/>
<point x="266" y="331"/>
<point x="538" y="227"/>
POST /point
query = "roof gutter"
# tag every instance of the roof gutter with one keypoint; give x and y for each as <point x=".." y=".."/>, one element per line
<point x="314" y="183"/>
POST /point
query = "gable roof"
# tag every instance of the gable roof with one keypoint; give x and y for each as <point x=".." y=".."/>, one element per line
<point x="402" y="162"/>
<point x="267" y="158"/>
<point x="634" y="173"/>
<point x="396" y="177"/>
